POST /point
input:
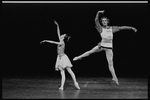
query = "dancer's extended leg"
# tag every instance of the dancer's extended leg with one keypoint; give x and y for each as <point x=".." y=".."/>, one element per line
<point x="73" y="77"/>
<point x="95" y="49"/>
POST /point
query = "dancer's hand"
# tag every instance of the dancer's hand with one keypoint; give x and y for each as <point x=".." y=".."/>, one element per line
<point x="55" y="22"/>
<point x="101" y="11"/>
<point x="42" y="41"/>
<point x="134" y="29"/>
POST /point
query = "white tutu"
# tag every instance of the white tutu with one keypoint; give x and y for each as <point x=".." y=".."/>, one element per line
<point x="63" y="62"/>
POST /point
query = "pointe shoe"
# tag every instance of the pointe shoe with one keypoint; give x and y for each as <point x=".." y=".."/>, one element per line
<point x="116" y="81"/>
<point x="61" y="88"/>
<point x="77" y="85"/>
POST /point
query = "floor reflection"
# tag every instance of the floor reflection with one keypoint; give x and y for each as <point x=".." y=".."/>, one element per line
<point x="69" y="94"/>
<point x="97" y="88"/>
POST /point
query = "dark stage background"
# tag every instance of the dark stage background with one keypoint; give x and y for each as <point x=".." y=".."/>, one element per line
<point x="25" y="25"/>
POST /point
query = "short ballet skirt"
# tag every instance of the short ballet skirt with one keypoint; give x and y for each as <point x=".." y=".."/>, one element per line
<point x="62" y="62"/>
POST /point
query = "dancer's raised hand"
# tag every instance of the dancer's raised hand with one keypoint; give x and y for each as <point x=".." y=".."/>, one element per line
<point x="55" y="22"/>
<point x="101" y="11"/>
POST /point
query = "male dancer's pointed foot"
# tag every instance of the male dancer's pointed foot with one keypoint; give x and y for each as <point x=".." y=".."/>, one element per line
<point x="116" y="81"/>
<point x="77" y="85"/>
<point x="76" y="58"/>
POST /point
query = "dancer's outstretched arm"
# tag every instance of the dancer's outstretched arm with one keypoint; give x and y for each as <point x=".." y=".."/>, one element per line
<point x="118" y="28"/>
<point x="49" y="41"/>
<point x="58" y="30"/>
<point x="127" y="27"/>
<point x="98" y="25"/>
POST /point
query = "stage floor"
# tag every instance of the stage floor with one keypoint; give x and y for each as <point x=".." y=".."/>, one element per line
<point x="91" y="88"/>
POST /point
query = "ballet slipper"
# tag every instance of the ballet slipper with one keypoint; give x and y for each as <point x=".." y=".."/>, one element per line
<point x="76" y="58"/>
<point x="61" y="88"/>
<point x="116" y="81"/>
<point x="77" y="85"/>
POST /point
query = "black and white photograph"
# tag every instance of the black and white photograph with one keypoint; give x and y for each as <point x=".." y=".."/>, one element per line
<point x="75" y="50"/>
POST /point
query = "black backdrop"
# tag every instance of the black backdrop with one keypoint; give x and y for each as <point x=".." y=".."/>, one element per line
<point x="25" y="25"/>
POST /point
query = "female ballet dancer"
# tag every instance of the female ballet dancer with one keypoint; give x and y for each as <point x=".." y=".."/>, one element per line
<point x="62" y="61"/>
<point x="106" y="32"/>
